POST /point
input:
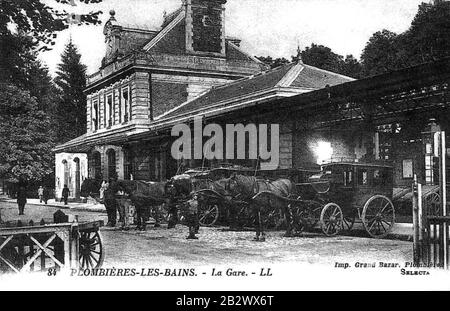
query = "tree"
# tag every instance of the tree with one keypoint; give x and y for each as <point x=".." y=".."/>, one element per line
<point x="428" y="38"/>
<point x="273" y="63"/>
<point x="71" y="81"/>
<point x="322" y="57"/>
<point x="26" y="89"/>
<point x="25" y="147"/>
<point x="351" y="67"/>
<point x="381" y="53"/>
<point x="39" y="20"/>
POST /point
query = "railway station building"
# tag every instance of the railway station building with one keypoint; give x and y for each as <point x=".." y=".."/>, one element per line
<point x="150" y="81"/>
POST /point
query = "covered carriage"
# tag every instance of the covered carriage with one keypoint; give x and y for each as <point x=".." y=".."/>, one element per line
<point x="353" y="191"/>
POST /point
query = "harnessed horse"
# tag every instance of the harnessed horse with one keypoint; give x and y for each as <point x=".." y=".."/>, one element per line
<point x="147" y="195"/>
<point x="261" y="195"/>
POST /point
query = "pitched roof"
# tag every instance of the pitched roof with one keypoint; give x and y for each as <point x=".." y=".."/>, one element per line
<point x="294" y="76"/>
<point x="171" y="39"/>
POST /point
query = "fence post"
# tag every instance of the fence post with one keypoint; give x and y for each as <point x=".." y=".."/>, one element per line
<point x="415" y="201"/>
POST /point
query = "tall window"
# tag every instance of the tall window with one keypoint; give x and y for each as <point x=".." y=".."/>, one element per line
<point x="128" y="164"/>
<point x="119" y="106"/>
<point x="95" y="165"/>
<point x="362" y="177"/>
<point x="109" y="113"/>
<point x="66" y="172"/>
<point x="126" y="107"/>
<point x="95" y="116"/>
<point x="111" y="163"/>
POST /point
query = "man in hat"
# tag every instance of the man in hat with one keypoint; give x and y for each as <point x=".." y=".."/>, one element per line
<point x="21" y="199"/>
<point x="111" y="203"/>
<point x="65" y="194"/>
<point x="192" y="217"/>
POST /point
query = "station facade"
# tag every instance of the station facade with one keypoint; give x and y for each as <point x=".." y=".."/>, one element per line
<point x="150" y="81"/>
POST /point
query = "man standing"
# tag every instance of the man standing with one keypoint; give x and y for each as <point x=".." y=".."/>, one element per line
<point x="192" y="217"/>
<point x="40" y="193"/>
<point x="21" y="199"/>
<point x="123" y="204"/>
<point x="111" y="203"/>
<point x="46" y="195"/>
<point x="65" y="194"/>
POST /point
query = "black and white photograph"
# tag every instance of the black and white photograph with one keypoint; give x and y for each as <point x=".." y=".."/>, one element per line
<point x="224" y="145"/>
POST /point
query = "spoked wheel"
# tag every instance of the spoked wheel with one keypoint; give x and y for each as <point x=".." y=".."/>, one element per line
<point x="240" y="216"/>
<point x="348" y="222"/>
<point x="432" y="204"/>
<point x="208" y="214"/>
<point x="91" y="253"/>
<point x="331" y="219"/>
<point x="274" y="219"/>
<point x="160" y="213"/>
<point x="304" y="219"/>
<point x="378" y="216"/>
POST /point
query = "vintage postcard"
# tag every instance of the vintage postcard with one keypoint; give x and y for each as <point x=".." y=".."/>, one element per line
<point x="217" y="145"/>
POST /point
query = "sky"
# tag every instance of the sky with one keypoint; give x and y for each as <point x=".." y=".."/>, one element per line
<point x="267" y="27"/>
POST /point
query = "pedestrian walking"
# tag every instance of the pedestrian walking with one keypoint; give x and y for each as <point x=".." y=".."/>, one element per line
<point x="46" y="195"/>
<point x="40" y="193"/>
<point x="192" y="218"/>
<point x="21" y="199"/>
<point x="65" y="194"/>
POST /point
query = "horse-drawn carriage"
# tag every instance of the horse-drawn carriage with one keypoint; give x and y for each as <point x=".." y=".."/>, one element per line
<point x="352" y="191"/>
<point x="216" y="204"/>
<point x="334" y="198"/>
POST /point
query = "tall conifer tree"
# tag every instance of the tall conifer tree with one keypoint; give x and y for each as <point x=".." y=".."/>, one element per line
<point x="70" y="111"/>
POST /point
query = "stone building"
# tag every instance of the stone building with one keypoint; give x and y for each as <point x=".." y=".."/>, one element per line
<point x="150" y="81"/>
<point x="146" y="76"/>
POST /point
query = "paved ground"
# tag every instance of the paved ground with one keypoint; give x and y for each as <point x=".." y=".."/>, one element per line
<point x="219" y="246"/>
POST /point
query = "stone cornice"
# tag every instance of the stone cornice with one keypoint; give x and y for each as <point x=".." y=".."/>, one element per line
<point x="182" y="64"/>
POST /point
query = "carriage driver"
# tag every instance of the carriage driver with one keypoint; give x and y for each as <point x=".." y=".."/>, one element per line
<point x="192" y="217"/>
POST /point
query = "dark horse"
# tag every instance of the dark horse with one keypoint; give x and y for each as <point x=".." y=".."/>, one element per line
<point x="147" y="195"/>
<point x="261" y="195"/>
<point x="90" y="187"/>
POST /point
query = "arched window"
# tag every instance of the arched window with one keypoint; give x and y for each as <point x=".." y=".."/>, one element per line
<point x="66" y="172"/>
<point x="111" y="154"/>
<point x="95" y="165"/>
<point x="128" y="164"/>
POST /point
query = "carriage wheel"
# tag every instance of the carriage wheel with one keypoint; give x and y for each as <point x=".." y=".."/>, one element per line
<point x="432" y="202"/>
<point x="378" y="216"/>
<point x="274" y="219"/>
<point x="160" y="213"/>
<point x="331" y="219"/>
<point x="208" y="214"/>
<point x="304" y="219"/>
<point x="91" y="254"/>
<point x="348" y="222"/>
<point x="243" y="216"/>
